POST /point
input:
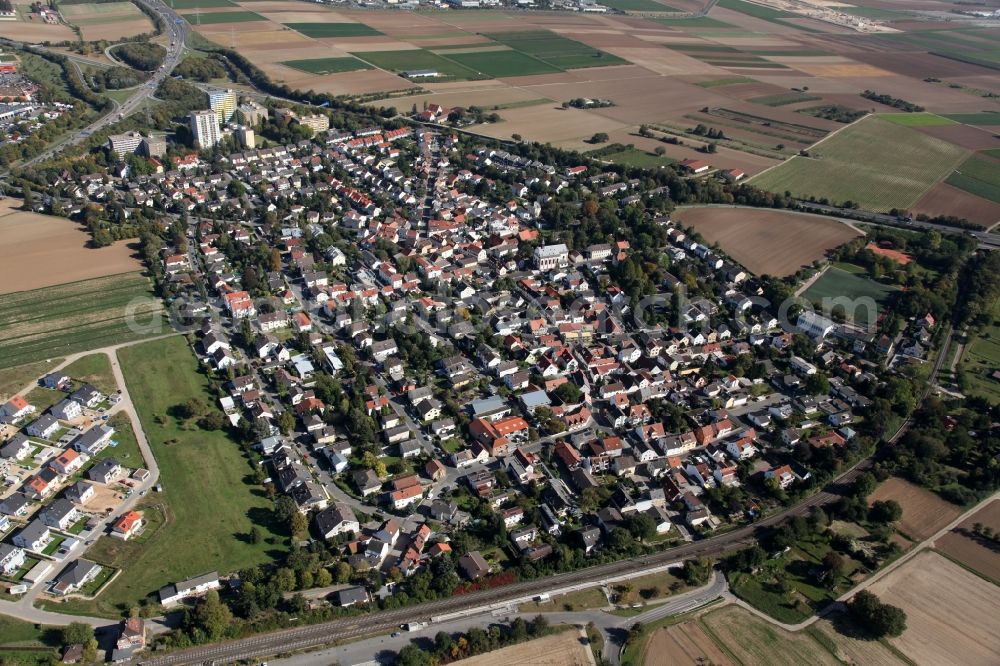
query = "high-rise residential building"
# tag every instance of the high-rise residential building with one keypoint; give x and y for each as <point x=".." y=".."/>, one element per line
<point x="251" y="113"/>
<point x="205" y="127"/>
<point x="223" y="102"/>
<point x="124" y="144"/>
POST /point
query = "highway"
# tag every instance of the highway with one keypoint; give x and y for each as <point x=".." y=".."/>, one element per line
<point x="176" y="32"/>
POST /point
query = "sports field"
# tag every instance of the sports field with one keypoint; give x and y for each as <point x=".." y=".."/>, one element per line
<point x="207" y="503"/>
<point x="75" y="317"/>
<point x="837" y="284"/>
<point x="322" y="30"/>
<point x="328" y="65"/>
<point x="874" y="163"/>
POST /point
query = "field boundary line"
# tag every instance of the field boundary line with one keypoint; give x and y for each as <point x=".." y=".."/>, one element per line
<point x="810" y="147"/>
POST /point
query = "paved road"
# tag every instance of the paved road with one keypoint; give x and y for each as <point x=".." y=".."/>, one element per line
<point x="177" y="35"/>
<point x="23" y="608"/>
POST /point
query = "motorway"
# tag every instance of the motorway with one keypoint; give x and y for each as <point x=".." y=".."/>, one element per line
<point x="176" y="32"/>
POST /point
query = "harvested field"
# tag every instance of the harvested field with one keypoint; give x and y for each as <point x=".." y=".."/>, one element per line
<point x="108" y="20"/>
<point x="682" y="645"/>
<point x="944" y="199"/>
<point x="755" y="641"/>
<point x="549" y="124"/>
<point x="924" y="513"/>
<point x="562" y="649"/>
<point x="975" y="552"/>
<point x="41" y="251"/>
<point x="900" y="165"/>
<point x="949" y="612"/>
<point x="852" y="647"/>
<point x="973" y="138"/>
<point x="33" y="30"/>
<point x="768" y="242"/>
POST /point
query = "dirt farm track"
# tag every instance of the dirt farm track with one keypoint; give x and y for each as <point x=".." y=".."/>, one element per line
<point x="772" y="242"/>
<point x="42" y="251"/>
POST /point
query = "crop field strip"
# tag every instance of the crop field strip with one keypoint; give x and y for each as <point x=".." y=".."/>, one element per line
<point x="923" y="119"/>
<point x="200" y="4"/>
<point x="325" y="30"/>
<point x="328" y="65"/>
<point x="556" y="50"/>
<point x="783" y="99"/>
<point x="82" y="315"/>
<point x="979" y="176"/>
<point x="901" y="165"/>
<point x="638" y="6"/>
<point x="212" y="18"/>
<point x="412" y="59"/>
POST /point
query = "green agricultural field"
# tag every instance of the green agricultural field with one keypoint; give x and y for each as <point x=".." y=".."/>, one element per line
<point x="837" y="283"/>
<point x="328" y="65"/>
<point x="222" y="17"/>
<point x="984" y="118"/>
<point x="876" y="13"/>
<point x="93" y="369"/>
<point x="721" y="83"/>
<point x="208" y="502"/>
<point x="638" y="6"/>
<point x="783" y="99"/>
<point x="45" y="323"/>
<point x="200" y="4"/>
<point x="876" y="164"/>
<point x="503" y="63"/>
<point x="978" y="175"/>
<point x="322" y="30"/>
<point x="560" y="52"/>
<point x="757" y="11"/>
<point x="693" y="22"/>
<point x="923" y="119"/>
<point x="400" y="61"/>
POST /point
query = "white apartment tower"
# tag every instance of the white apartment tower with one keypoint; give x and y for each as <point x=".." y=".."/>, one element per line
<point x="205" y="127"/>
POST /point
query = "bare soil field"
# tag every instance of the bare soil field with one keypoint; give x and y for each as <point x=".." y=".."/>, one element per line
<point x="975" y="552"/>
<point x="41" y="251"/>
<point x="562" y="649"/>
<point x="945" y="199"/>
<point x="34" y="31"/>
<point x="950" y="612"/>
<point x="546" y="123"/>
<point x="108" y="20"/>
<point x="755" y="641"/>
<point x="769" y="242"/>
<point x="684" y="644"/>
<point x="851" y="646"/>
<point x="967" y="136"/>
<point x="924" y="513"/>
